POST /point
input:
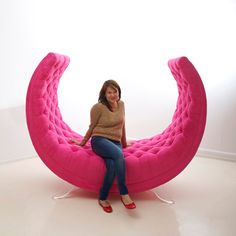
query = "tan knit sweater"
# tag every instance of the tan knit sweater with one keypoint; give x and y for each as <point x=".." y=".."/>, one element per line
<point x="106" y="123"/>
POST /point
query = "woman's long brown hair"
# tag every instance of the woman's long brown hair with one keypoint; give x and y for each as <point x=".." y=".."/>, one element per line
<point x="102" y="97"/>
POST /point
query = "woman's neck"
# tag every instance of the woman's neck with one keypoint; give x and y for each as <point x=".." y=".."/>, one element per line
<point x="114" y="105"/>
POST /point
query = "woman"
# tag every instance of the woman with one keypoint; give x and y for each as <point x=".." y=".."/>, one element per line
<point x="107" y="129"/>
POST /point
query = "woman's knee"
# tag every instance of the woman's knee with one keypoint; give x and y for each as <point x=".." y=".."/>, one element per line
<point x="119" y="154"/>
<point x="105" y="148"/>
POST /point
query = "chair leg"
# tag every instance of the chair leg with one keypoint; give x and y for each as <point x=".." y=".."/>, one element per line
<point x="66" y="194"/>
<point x="69" y="192"/>
<point x="164" y="200"/>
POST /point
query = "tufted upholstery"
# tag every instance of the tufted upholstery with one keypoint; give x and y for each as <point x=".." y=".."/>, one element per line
<point x="150" y="162"/>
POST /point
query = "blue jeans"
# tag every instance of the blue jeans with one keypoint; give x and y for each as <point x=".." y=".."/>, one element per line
<point x="111" y="152"/>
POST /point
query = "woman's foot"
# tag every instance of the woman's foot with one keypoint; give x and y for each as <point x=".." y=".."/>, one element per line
<point x="105" y="205"/>
<point x="127" y="201"/>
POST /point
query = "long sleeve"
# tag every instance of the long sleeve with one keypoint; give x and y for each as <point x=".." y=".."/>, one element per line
<point x="123" y="138"/>
<point x="95" y="114"/>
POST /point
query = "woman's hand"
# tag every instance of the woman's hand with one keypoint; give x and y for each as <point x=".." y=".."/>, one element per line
<point x="129" y="143"/>
<point x="81" y="143"/>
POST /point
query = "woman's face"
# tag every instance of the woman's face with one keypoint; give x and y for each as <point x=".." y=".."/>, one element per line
<point x="112" y="95"/>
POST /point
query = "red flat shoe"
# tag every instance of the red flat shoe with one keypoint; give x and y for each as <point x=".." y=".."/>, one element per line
<point x="107" y="209"/>
<point x="130" y="205"/>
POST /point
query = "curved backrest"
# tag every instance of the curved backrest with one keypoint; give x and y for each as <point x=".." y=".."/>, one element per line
<point x="150" y="162"/>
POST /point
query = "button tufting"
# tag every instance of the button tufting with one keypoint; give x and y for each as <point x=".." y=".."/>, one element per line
<point x="80" y="166"/>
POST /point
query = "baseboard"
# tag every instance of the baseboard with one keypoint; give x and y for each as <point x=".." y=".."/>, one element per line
<point x="210" y="153"/>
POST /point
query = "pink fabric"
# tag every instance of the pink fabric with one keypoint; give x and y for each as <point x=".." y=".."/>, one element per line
<point x="150" y="162"/>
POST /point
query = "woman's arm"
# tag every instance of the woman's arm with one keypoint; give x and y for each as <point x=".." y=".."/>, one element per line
<point x="94" y="117"/>
<point x="123" y="138"/>
<point x="125" y="143"/>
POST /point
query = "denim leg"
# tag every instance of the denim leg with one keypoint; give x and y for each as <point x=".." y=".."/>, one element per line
<point x="111" y="150"/>
<point x="108" y="179"/>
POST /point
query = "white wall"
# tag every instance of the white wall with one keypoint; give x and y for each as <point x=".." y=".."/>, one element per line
<point x="15" y="140"/>
<point x="131" y="42"/>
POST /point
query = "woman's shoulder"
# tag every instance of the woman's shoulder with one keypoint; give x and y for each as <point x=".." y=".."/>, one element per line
<point x="100" y="106"/>
<point x="96" y="109"/>
<point x="97" y="106"/>
<point x="121" y="103"/>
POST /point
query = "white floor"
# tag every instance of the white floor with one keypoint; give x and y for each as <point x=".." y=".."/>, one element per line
<point x="204" y="195"/>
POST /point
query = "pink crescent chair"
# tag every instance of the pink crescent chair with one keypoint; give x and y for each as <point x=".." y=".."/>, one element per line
<point x="149" y="162"/>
